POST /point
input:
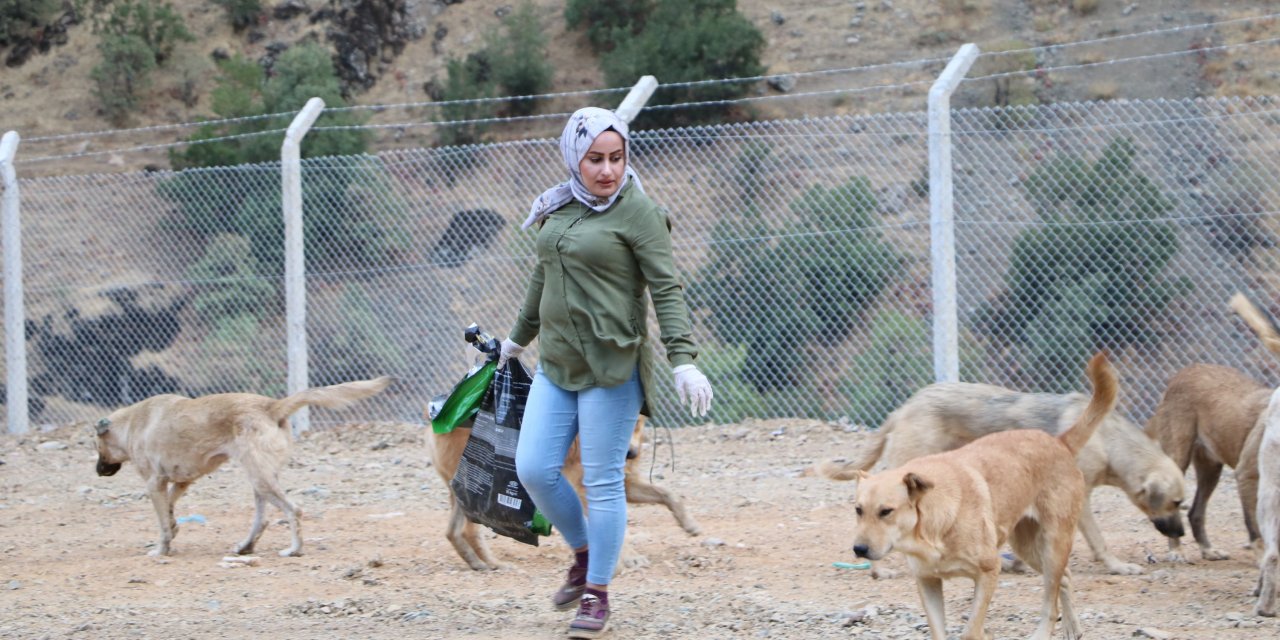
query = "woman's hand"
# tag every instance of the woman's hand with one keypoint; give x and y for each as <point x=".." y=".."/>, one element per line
<point x="509" y="350"/>
<point x="693" y="389"/>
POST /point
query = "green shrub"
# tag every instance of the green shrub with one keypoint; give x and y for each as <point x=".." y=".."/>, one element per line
<point x="467" y="79"/>
<point x="242" y="13"/>
<point x="243" y="90"/>
<point x="21" y="18"/>
<point x="685" y="41"/>
<point x="157" y="25"/>
<point x="242" y="195"/>
<point x="352" y="343"/>
<point x="806" y="289"/>
<point x="122" y="76"/>
<point x="896" y="362"/>
<point x="227" y="282"/>
<point x="518" y="61"/>
<point x="608" y="21"/>
<point x="1089" y="276"/>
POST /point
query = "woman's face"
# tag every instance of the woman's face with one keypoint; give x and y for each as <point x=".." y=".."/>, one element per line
<point x="604" y="164"/>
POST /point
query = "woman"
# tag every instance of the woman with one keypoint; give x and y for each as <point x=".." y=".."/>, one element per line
<point x="601" y="243"/>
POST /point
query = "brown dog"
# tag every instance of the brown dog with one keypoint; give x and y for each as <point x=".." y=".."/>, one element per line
<point x="1209" y="417"/>
<point x="465" y="536"/>
<point x="174" y="440"/>
<point x="946" y="416"/>
<point x="951" y="512"/>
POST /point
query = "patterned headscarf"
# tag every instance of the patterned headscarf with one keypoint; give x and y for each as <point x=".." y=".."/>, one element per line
<point x="584" y="126"/>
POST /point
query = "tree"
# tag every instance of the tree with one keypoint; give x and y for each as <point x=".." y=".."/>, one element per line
<point x="1089" y="277"/>
<point x="20" y="18"/>
<point x="608" y="21"/>
<point x="686" y="41"/>
<point x="518" y="57"/>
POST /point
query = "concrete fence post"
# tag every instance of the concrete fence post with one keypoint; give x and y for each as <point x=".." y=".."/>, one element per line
<point x="15" y="332"/>
<point x="942" y="244"/>
<point x="295" y="275"/>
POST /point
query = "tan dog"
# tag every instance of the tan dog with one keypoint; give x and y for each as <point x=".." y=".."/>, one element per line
<point x="1269" y="508"/>
<point x="946" y="416"/>
<point x="465" y="536"/>
<point x="951" y="512"/>
<point x="174" y="440"/>
<point x="1207" y="417"/>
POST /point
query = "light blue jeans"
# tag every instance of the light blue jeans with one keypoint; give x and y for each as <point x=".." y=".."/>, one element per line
<point x="604" y="417"/>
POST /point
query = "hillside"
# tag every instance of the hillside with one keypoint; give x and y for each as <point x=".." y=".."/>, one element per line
<point x="49" y="94"/>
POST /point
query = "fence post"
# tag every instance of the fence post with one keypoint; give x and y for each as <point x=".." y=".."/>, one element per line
<point x="295" y="275"/>
<point x="636" y="98"/>
<point x="15" y="332"/>
<point x="942" y="242"/>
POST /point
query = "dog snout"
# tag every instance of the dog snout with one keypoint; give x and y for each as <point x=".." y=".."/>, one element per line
<point x="107" y="468"/>
<point x="861" y="550"/>
<point x="1170" y="526"/>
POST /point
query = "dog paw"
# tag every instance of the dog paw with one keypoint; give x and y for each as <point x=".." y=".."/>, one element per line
<point x="1175" y="556"/>
<point x="159" y="552"/>
<point x="1124" y="569"/>
<point x="883" y="574"/>
<point x="1214" y="554"/>
<point x="290" y="553"/>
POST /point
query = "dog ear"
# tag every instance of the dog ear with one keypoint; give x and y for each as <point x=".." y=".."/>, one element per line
<point x="103" y="426"/>
<point x="916" y="486"/>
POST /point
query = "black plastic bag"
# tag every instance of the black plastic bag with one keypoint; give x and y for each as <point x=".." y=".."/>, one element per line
<point x="486" y="484"/>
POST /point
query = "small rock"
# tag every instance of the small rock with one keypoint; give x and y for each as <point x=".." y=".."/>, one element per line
<point x="1152" y="632"/>
<point x="713" y="542"/>
<point x="14" y="585"/>
<point x="777" y="17"/>
<point x="52" y="445"/>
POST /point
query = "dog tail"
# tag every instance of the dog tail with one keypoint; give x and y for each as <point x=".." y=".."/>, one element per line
<point x="331" y="397"/>
<point x="1105" y="392"/>
<point x="1258" y="321"/>
<point x="834" y="470"/>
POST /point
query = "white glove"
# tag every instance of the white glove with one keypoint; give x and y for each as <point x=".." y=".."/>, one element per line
<point x="509" y="350"/>
<point x="693" y="389"/>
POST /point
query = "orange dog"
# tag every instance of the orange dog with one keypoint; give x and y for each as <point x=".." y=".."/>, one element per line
<point x="951" y="512"/>
<point x="465" y="536"/>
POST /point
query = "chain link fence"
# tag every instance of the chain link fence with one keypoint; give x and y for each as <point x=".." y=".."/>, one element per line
<point x="804" y="244"/>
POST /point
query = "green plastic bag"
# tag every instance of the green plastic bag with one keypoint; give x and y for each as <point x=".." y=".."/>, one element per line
<point x="463" y="402"/>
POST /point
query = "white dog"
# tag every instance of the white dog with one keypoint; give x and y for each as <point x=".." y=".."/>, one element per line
<point x="1269" y="508"/>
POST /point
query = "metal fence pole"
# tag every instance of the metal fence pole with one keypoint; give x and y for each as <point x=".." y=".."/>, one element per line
<point x="636" y="98"/>
<point x="942" y="243"/>
<point x="15" y="333"/>
<point x="295" y="276"/>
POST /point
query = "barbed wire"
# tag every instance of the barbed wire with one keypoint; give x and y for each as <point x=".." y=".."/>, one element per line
<point x="159" y="127"/>
<point x="150" y="147"/>
<point x="1101" y="63"/>
<point x="1130" y="36"/>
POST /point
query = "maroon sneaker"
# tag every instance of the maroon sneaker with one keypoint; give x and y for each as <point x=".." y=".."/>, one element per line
<point x="570" y="592"/>
<point x="593" y="618"/>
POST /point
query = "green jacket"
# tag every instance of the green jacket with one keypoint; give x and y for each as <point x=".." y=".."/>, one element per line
<point x="586" y="301"/>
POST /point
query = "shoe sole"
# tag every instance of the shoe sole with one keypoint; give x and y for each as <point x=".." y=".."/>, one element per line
<point x="572" y="604"/>
<point x="586" y="634"/>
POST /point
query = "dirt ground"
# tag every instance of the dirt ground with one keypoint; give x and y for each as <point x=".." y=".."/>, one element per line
<point x="73" y="560"/>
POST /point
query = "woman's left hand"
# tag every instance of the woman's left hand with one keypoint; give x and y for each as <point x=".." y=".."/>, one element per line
<point x="694" y="389"/>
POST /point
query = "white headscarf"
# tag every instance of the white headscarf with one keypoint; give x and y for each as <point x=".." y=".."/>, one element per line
<point x="584" y="126"/>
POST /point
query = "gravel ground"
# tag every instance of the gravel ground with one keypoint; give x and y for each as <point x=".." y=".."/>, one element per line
<point x="376" y="563"/>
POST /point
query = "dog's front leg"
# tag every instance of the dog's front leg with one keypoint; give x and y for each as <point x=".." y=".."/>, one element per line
<point x="934" y="606"/>
<point x="641" y="492"/>
<point x="158" y="489"/>
<point x="1269" y="573"/>
<point x="1093" y="535"/>
<point x="984" y="586"/>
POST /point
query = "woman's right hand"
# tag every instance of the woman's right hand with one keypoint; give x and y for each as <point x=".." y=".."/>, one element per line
<point x="509" y="350"/>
